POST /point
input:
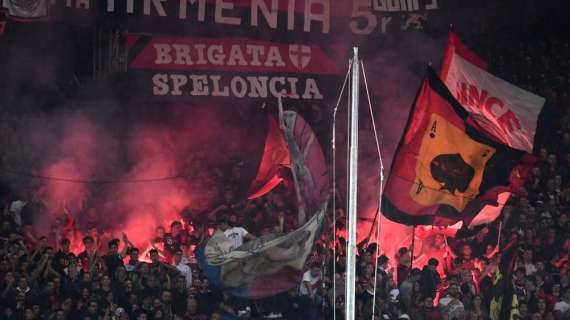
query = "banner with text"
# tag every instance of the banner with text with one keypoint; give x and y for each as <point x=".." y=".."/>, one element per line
<point x="361" y="17"/>
<point x="229" y="67"/>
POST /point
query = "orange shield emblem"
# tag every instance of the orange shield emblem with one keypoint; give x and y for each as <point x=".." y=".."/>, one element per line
<point x="449" y="167"/>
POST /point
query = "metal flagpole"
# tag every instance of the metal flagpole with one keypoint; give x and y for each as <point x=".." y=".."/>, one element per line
<point x="352" y="195"/>
<point x="333" y="144"/>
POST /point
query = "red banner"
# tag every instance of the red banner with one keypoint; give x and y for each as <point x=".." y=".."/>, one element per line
<point x="226" y="54"/>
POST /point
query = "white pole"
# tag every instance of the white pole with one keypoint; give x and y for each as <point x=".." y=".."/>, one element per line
<point x="352" y="194"/>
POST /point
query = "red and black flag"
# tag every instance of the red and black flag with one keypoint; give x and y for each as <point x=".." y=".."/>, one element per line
<point x="504" y="302"/>
<point x="446" y="169"/>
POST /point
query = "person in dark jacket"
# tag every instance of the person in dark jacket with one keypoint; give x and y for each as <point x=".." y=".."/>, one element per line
<point x="430" y="279"/>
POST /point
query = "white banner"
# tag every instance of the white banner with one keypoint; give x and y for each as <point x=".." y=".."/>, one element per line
<point x="504" y="110"/>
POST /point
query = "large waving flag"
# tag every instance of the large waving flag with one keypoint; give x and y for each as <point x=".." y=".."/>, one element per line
<point x="274" y="263"/>
<point x="446" y="169"/>
<point x="310" y="171"/>
<point x="508" y="113"/>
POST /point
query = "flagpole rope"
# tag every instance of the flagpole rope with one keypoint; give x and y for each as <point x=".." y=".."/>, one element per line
<point x="380" y="190"/>
<point x="333" y="146"/>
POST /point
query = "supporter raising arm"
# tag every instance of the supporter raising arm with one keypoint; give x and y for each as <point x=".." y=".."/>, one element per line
<point x="113" y="259"/>
<point x="235" y="234"/>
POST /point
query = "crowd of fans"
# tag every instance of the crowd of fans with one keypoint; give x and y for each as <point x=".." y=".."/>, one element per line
<point x="43" y="277"/>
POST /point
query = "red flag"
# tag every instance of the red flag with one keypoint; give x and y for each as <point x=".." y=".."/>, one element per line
<point x="508" y="113"/>
<point x="275" y="156"/>
<point x="456" y="47"/>
<point x="445" y="169"/>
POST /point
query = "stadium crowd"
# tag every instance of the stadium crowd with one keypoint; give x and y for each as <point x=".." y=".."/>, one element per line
<point x="42" y="278"/>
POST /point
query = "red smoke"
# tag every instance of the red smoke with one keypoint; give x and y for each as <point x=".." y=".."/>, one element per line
<point x="76" y="159"/>
<point x="149" y="204"/>
<point x="162" y="167"/>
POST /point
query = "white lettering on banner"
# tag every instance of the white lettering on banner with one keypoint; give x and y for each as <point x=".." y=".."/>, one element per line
<point x="309" y="15"/>
<point x="215" y="58"/>
<point x="432" y="6"/>
<point x="200" y="50"/>
<point x="312" y="90"/>
<point x="394" y="5"/>
<point x="183" y="9"/>
<point x="218" y="55"/>
<point x="291" y="15"/>
<point x="323" y="16"/>
<point x="236" y="57"/>
<point x="178" y="81"/>
<point x="241" y="90"/>
<point x="361" y="10"/>
<point x="402" y="5"/>
<point x="221" y="6"/>
<point x="216" y="84"/>
<point x="236" y="86"/>
<point x="160" y="84"/>
<point x="199" y="85"/>
<point x="255" y="52"/>
<point x="508" y="112"/>
<point x="273" y="86"/>
<point x="365" y="21"/>
<point x="270" y="16"/>
<point x="293" y="85"/>
<point x="130" y="6"/>
<point x="316" y="16"/>
<point x="182" y="54"/>
<point x="258" y="86"/>
<point x="163" y="54"/>
<point x="157" y="5"/>
<point x="274" y="58"/>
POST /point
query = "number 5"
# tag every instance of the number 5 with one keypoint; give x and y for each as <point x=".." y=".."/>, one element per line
<point x="363" y="9"/>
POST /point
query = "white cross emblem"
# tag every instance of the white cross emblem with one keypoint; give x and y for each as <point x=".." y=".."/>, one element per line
<point x="300" y="55"/>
